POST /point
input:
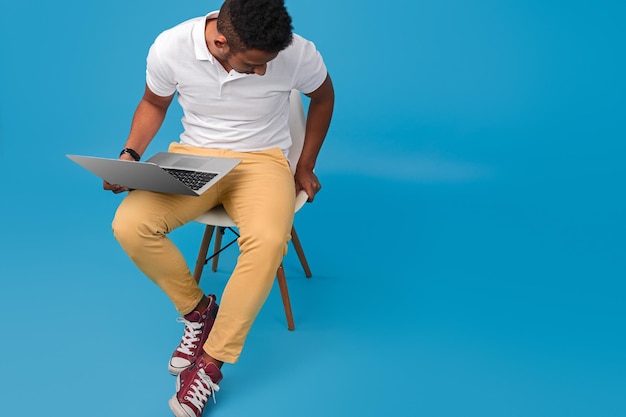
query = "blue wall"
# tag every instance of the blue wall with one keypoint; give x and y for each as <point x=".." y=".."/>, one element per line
<point x="468" y="244"/>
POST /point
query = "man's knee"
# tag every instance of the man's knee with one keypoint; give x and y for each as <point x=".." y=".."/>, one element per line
<point x="272" y="240"/>
<point x="131" y="225"/>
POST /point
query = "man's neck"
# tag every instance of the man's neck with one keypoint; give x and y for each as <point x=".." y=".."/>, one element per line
<point x="210" y="33"/>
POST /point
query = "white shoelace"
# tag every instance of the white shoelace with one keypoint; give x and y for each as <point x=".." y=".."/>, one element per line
<point x="201" y="389"/>
<point x="192" y="331"/>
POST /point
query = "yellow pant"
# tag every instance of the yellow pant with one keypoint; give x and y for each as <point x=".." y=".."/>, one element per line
<point x="259" y="195"/>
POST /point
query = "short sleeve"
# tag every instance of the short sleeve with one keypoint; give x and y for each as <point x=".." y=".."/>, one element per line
<point x="311" y="69"/>
<point x="159" y="75"/>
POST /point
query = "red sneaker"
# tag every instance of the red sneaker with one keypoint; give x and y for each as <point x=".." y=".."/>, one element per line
<point x="197" y="328"/>
<point x="194" y="386"/>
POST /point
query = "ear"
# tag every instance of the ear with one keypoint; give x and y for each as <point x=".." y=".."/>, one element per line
<point x="221" y="43"/>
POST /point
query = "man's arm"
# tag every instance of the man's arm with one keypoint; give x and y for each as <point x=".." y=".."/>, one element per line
<point x="146" y="122"/>
<point x="317" y="123"/>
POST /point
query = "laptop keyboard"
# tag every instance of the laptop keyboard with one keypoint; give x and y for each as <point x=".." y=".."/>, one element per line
<point x="192" y="179"/>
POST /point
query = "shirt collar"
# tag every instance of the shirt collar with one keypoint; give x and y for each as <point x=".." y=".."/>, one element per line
<point x="199" y="41"/>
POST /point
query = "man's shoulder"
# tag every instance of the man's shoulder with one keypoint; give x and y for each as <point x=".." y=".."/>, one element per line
<point x="297" y="47"/>
<point x="179" y="33"/>
<point x="299" y="41"/>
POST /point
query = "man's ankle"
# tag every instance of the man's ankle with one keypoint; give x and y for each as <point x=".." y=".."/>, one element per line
<point x="202" y="305"/>
<point x="208" y="358"/>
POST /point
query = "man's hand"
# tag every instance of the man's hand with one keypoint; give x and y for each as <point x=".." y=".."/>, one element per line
<point x="116" y="188"/>
<point x="147" y="120"/>
<point x="307" y="180"/>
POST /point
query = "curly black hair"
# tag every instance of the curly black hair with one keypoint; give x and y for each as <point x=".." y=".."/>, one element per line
<point x="255" y="24"/>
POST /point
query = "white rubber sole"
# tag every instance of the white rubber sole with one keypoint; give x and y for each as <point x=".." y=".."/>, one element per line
<point x="176" y="408"/>
<point x="176" y="371"/>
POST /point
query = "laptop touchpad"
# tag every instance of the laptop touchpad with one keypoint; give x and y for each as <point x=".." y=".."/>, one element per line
<point x="189" y="163"/>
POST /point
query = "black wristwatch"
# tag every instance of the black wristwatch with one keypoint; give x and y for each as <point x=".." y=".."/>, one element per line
<point x="131" y="152"/>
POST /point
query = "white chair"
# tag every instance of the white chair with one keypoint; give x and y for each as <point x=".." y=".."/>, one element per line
<point x="218" y="218"/>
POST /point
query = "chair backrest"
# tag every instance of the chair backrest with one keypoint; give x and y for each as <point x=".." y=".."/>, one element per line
<point x="297" y="122"/>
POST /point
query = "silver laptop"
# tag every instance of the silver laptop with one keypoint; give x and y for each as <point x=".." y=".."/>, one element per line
<point x="165" y="172"/>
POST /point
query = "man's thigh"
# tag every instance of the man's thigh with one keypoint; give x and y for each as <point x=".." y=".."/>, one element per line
<point x="260" y="193"/>
<point x="163" y="212"/>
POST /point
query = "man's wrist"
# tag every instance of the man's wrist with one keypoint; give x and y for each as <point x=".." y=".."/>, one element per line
<point x="131" y="152"/>
<point x="305" y="167"/>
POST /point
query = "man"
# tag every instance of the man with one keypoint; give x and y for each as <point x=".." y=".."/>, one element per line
<point x="233" y="71"/>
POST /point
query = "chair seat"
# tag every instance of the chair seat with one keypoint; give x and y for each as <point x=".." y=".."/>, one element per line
<point x="217" y="216"/>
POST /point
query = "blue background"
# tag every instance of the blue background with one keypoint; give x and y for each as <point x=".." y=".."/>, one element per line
<point x="467" y="248"/>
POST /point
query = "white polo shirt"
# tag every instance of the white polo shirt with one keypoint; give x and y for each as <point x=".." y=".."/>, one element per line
<point x="241" y="112"/>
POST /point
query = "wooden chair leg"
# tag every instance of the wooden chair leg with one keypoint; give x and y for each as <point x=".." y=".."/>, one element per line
<point x="280" y="273"/>
<point x="284" y="292"/>
<point x="296" y="244"/>
<point x="204" y="248"/>
<point x="218" y="245"/>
